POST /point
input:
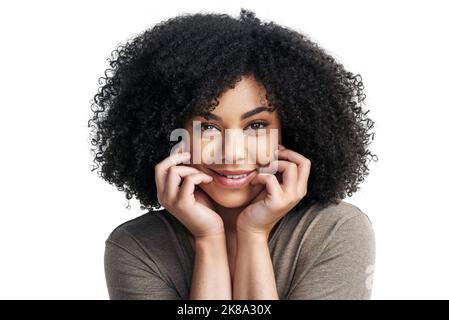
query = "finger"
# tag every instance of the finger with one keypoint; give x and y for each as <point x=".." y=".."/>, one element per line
<point x="304" y="164"/>
<point x="281" y="147"/>
<point x="162" y="167"/>
<point x="180" y="147"/>
<point x="304" y="172"/>
<point x="289" y="171"/>
<point x="269" y="180"/>
<point x="174" y="178"/>
<point x="189" y="183"/>
<point x="270" y="168"/>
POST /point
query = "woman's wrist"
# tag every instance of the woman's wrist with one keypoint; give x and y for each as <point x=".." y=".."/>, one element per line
<point x="210" y="241"/>
<point x="253" y="236"/>
<point x="211" y="278"/>
<point x="253" y="263"/>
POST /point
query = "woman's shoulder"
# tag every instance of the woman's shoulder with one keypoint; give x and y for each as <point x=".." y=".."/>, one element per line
<point x="151" y="229"/>
<point x="332" y="249"/>
<point x="331" y="216"/>
<point x="143" y="259"/>
<point x="316" y="228"/>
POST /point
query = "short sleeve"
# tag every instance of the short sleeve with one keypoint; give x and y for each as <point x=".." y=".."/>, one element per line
<point x="128" y="277"/>
<point x="344" y="269"/>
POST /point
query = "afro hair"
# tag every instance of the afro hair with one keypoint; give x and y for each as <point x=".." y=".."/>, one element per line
<point x="180" y="66"/>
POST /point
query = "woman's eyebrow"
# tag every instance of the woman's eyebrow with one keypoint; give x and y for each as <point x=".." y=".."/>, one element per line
<point x="242" y="117"/>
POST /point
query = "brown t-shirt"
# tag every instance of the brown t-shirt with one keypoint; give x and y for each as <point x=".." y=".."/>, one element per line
<point x="317" y="253"/>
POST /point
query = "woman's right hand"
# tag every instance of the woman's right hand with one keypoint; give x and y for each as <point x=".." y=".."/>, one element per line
<point x="193" y="208"/>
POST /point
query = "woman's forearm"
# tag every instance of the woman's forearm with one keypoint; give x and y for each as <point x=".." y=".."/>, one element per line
<point x="254" y="276"/>
<point x="211" y="279"/>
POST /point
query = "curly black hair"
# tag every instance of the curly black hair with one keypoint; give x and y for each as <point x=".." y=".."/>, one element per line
<point x="180" y="66"/>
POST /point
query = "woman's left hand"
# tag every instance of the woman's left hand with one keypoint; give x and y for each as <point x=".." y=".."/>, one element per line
<point x="276" y="199"/>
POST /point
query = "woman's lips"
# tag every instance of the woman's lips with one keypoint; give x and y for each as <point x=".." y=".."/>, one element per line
<point x="233" y="182"/>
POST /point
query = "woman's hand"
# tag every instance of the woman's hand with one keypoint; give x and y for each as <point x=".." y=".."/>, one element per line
<point x="276" y="199"/>
<point x="190" y="205"/>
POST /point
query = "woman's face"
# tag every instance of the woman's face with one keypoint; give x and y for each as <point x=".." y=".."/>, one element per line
<point x="231" y="142"/>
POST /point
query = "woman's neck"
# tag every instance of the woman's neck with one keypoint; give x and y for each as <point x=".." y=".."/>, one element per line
<point x="229" y="216"/>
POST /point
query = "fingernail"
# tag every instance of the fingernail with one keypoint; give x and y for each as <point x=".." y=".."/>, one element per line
<point x="185" y="156"/>
<point x="180" y="147"/>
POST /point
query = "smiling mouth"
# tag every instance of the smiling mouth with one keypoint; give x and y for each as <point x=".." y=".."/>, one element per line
<point x="233" y="178"/>
<point x="233" y="174"/>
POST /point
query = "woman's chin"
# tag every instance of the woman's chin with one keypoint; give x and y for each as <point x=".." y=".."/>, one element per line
<point x="231" y="203"/>
<point x="233" y="199"/>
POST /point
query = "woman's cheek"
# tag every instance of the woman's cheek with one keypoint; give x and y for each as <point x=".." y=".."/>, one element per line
<point x="211" y="150"/>
<point x="265" y="147"/>
<point x="204" y="151"/>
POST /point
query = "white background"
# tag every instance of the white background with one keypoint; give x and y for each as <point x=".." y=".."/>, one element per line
<point x="55" y="214"/>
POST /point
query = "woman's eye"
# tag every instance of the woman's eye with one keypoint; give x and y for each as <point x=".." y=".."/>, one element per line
<point x="257" y="125"/>
<point x="206" y="126"/>
<point x="253" y="126"/>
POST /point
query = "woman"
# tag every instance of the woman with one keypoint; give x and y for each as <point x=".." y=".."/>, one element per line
<point x="234" y="224"/>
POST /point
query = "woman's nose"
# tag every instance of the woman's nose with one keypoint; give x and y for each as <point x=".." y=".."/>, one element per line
<point x="234" y="147"/>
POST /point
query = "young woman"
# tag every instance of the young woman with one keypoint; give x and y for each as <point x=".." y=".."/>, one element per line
<point x="241" y="226"/>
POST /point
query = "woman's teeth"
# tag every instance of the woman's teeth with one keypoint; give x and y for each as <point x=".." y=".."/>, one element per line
<point x="237" y="176"/>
